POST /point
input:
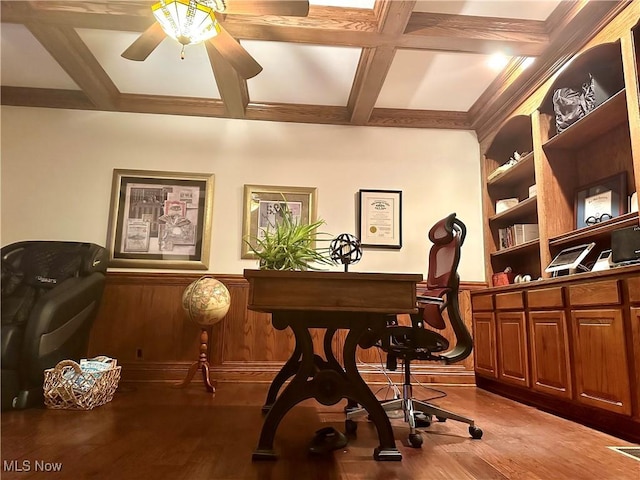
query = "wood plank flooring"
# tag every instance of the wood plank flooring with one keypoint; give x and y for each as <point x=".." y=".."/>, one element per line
<point x="159" y="432"/>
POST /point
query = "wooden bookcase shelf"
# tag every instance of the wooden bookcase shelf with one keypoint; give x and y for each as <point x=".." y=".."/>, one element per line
<point x="603" y="143"/>
<point x="602" y="119"/>
<point x="523" y="248"/>
<point x="522" y="210"/>
<point x="595" y="232"/>
<point x="521" y="171"/>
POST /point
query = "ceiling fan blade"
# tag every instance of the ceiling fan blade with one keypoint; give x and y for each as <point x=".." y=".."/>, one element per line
<point x="145" y="43"/>
<point x="294" y="8"/>
<point x="235" y="54"/>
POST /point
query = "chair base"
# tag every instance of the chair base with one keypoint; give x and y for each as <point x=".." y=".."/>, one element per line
<point x="412" y="409"/>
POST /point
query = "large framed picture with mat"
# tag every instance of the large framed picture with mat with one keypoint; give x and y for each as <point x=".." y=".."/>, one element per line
<point x="160" y="219"/>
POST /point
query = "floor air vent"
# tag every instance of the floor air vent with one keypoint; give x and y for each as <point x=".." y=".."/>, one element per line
<point x="633" y="452"/>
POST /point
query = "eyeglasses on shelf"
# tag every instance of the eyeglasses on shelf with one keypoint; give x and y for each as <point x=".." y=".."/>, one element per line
<point x="592" y="220"/>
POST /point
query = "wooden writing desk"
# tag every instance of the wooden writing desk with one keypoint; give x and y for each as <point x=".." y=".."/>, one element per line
<point x="357" y="302"/>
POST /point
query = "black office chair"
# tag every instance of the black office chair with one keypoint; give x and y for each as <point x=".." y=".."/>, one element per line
<point x="416" y="342"/>
<point x="51" y="291"/>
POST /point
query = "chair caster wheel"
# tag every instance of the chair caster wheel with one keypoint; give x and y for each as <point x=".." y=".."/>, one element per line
<point x="475" y="432"/>
<point x="415" y="440"/>
<point x="441" y="419"/>
<point x="350" y="426"/>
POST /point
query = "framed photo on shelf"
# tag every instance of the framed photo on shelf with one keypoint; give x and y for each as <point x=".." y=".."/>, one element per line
<point x="380" y="218"/>
<point x="601" y="201"/>
<point x="264" y="204"/>
<point x="160" y="219"/>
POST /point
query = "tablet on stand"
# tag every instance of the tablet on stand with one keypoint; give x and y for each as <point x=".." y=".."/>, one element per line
<point x="567" y="262"/>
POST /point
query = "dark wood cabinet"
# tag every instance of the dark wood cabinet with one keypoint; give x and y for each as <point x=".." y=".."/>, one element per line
<point x="601" y="368"/>
<point x="570" y="345"/>
<point x="484" y="337"/>
<point x="513" y="365"/>
<point x="550" y="367"/>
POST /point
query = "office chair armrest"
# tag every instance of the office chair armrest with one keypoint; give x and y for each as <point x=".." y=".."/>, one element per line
<point x="427" y="299"/>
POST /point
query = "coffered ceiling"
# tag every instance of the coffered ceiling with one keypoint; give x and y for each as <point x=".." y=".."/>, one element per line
<point x="362" y="62"/>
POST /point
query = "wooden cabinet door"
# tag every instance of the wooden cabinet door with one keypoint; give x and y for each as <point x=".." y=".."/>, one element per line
<point x="550" y="371"/>
<point x="484" y="344"/>
<point x="513" y="365"/>
<point x="601" y="368"/>
<point x="635" y="341"/>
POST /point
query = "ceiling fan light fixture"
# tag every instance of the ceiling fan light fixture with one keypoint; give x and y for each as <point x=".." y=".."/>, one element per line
<point x="186" y="21"/>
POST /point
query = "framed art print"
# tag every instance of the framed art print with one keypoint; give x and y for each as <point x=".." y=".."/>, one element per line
<point x="263" y="205"/>
<point x="160" y="219"/>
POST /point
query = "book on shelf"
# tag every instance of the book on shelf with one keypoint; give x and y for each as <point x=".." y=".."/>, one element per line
<point x="517" y="234"/>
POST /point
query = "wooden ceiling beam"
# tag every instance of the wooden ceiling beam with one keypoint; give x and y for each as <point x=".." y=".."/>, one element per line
<point x="45" y="98"/>
<point x="324" y="26"/>
<point x="232" y="87"/>
<point x="204" y="107"/>
<point x="400" y="117"/>
<point x="374" y="63"/>
<point x="68" y="49"/>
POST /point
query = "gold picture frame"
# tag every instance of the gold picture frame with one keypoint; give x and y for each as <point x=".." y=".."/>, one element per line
<point x="160" y="219"/>
<point x="261" y="205"/>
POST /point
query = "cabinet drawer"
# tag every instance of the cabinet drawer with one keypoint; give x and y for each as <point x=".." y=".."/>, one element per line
<point x="482" y="302"/>
<point x="506" y="301"/>
<point x="545" y="298"/>
<point x="595" y="293"/>
<point x="634" y="289"/>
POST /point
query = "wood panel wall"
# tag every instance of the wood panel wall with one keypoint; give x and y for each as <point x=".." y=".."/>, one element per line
<point x="141" y="323"/>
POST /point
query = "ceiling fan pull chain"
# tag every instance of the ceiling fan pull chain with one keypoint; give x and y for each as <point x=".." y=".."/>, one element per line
<point x="182" y="53"/>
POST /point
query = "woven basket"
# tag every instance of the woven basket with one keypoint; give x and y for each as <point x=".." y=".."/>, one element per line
<point x="68" y="387"/>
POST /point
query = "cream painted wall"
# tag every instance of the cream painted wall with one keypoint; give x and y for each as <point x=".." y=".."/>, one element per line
<point x="57" y="168"/>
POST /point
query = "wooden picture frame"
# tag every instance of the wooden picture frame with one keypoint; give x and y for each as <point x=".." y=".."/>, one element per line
<point x="160" y="219"/>
<point x="262" y="204"/>
<point x="601" y="201"/>
<point x="380" y="218"/>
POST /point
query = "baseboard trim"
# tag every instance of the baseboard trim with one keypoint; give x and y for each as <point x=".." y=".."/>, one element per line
<point x="264" y="372"/>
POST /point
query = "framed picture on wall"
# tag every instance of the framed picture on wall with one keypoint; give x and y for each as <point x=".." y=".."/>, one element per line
<point x="264" y="204"/>
<point x="160" y="219"/>
<point x="380" y="218"/>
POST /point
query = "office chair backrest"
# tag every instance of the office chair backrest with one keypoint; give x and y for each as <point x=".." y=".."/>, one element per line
<point x="447" y="237"/>
<point x="444" y="257"/>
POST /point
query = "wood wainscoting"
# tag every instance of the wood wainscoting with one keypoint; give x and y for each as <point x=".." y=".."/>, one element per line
<point x="141" y="323"/>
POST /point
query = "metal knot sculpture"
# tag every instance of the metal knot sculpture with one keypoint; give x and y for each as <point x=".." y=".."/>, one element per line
<point x="345" y="249"/>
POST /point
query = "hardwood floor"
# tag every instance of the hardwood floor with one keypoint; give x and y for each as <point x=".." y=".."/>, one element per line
<point x="159" y="432"/>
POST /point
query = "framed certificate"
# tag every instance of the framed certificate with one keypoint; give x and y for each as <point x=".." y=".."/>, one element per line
<point x="380" y="218"/>
<point x="600" y="201"/>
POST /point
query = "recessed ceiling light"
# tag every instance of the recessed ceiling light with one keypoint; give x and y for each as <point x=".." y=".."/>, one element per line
<point x="498" y="61"/>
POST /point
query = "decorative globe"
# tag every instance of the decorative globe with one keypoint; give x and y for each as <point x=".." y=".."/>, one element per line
<point x="345" y="249"/>
<point x="206" y="301"/>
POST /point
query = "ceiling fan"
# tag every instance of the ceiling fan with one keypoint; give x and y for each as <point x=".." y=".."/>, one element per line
<point x="204" y="18"/>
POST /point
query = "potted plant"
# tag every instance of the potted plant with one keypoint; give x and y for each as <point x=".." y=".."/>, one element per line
<point x="288" y="245"/>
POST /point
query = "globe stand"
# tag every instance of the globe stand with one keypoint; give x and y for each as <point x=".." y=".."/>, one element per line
<point x="202" y="364"/>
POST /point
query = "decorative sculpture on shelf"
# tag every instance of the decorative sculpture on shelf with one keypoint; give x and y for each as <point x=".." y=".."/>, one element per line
<point x="205" y="301"/>
<point x="345" y="249"/>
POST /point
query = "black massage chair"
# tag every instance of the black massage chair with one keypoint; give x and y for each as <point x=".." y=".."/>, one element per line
<point x="51" y="292"/>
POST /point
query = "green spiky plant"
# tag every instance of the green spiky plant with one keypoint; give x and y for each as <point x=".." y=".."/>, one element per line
<point x="288" y="245"/>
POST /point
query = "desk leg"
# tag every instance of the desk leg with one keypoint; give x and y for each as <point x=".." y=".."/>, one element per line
<point x="287" y="371"/>
<point x="297" y="391"/>
<point x="364" y="396"/>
